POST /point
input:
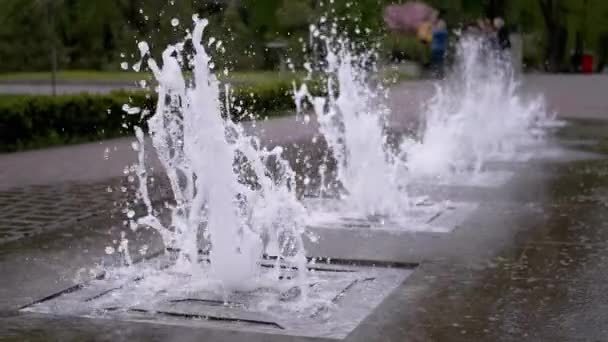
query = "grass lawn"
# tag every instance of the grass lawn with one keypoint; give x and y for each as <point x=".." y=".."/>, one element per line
<point x="73" y="75"/>
<point x="237" y="78"/>
<point x="243" y="77"/>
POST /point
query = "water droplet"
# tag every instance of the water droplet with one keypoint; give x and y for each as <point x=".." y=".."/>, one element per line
<point x="143" y="47"/>
<point x="174" y="22"/>
<point x="124" y="66"/>
<point x="130" y="214"/>
<point x="110" y="250"/>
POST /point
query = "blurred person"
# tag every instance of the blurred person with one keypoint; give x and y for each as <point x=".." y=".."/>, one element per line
<point x="471" y="28"/>
<point x="502" y="42"/>
<point x="488" y="37"/>
<point x="439" y="44"/>
<point x="485" y="25"/>
<point x="502" y="34"/>
<point x="425" y="32"/>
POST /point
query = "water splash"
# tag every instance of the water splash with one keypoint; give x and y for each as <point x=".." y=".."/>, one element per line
<point x="351" y="119"/>
<point x="224" y="199"/>
<point x="476" y="115"/>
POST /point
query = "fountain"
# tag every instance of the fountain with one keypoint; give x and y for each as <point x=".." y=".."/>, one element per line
<point x="475" y="116"/>
<point x="352" y="117"/>
<point x="224" y="200"/>
<point x="233" y="229"/>
<point x="367" y="167"/>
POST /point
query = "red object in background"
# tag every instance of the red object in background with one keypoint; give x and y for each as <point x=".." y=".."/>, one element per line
<point x="587" y="64"/>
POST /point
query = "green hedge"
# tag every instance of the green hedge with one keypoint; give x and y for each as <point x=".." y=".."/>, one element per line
<point x="38" y="121"/>
<point x="260" y="100"/>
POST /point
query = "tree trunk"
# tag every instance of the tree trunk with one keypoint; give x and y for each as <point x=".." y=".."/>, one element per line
<point x="602" y="55"/>
<point x="556" y="35"/>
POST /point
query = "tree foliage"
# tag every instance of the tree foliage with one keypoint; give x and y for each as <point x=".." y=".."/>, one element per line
<point x="95" y="34"/>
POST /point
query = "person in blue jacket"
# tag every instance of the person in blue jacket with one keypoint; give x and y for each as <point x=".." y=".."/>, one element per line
<point x="439" y="45"/>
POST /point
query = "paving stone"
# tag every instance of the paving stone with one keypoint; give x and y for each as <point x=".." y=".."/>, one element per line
<point x="35" y="209"/>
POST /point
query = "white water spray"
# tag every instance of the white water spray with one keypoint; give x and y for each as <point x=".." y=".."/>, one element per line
<point x="224" y="198"/>
<point x="351" y="118"/>
<point x="476" y="115"/>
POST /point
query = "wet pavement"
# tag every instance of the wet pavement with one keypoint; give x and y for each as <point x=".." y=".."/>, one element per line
<point x="527" y="265"/>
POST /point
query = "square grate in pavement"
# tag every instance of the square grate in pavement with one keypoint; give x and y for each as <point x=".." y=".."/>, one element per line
<point x="423" y="216"/>
<point x="338" y="298"/>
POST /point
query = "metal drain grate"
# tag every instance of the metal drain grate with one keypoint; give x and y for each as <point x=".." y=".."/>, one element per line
<point x="339" y="296"/>
<point x="425" y="216"/>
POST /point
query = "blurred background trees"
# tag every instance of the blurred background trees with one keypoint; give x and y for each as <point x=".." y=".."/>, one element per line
<point x="93" y="34"/>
